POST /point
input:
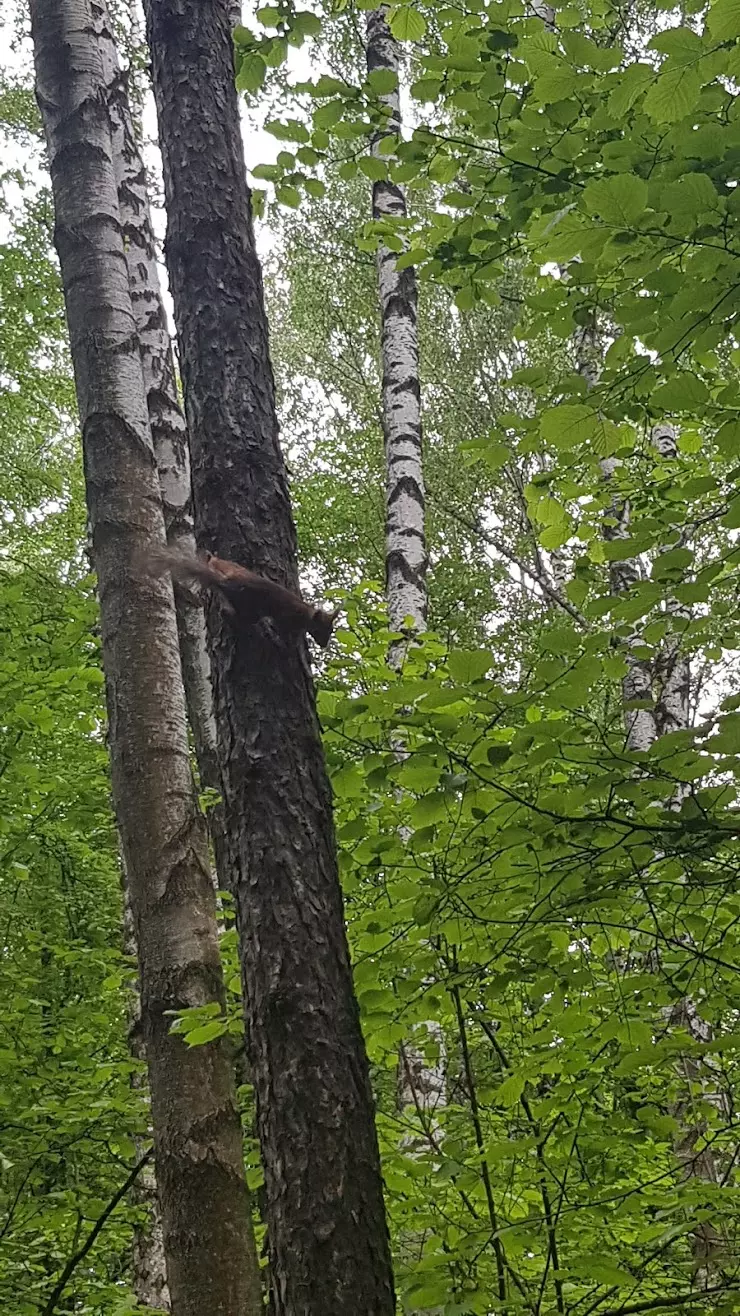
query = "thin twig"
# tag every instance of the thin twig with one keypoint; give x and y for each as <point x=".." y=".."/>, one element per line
<point x="101" y="1221"/>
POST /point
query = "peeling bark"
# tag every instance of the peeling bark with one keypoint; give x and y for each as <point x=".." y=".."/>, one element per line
<point x="197" y="1136"/>
<point x="327" y="1238"/>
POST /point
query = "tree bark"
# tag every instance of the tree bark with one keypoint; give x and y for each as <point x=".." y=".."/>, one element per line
<point x="148" y="1263"/>
<point x="637" y="686"/>
<point x="674" y="667"/>
<point x="196" y="1127"/>
<point x="406" y="553"/>
<point x="328" y="1242"/>
<point x="421" y="1084"/>
<point x="169" y="430"/>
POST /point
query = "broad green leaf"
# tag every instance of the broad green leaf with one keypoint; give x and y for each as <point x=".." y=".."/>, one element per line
<point x="251" y="75"/>
<point x="205" y="1033"/>
<point x="673" y="94"/>
<point x="382" y="81"/>
<point x="723" y="20"/>
<point x="568" y="425"/>
<point x="406" y="24"/>
<point x="620" y="199"/>
<point x="466" y="665"/>
<point x="268" y="16"/>
<point x="288" y="195"/>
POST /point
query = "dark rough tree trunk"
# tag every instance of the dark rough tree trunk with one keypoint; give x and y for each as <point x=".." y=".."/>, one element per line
<point x="328" y="1240"/>
<point x="196" y="1128"/>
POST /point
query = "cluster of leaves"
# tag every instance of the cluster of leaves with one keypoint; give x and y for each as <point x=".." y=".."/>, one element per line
<point x="514" y="878"/>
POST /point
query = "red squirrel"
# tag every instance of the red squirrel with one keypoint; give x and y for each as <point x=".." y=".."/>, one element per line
<point x="246" y="595"/>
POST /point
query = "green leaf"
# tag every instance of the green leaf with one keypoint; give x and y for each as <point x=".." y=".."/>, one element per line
<point x="373" y="169"/>
<point x="305" y="23"/>
<point x="328" y="86"/>
<point x="415" y="256"/>
<point x="568" y="425"/>
<point x="465" y="298"/>
<point x="632" y="82"/>
<point x="205" y="1033"/>
<point x="430" y="809"/>
<point x="669" y="564"/>
<point x="288" y="195"/>
<point x="685" y="392"/>
<point x="620" y="199"/>
<point x="382" y="81"/>
<point x="674" y="94"/>
<point x="406" y="24"/>
<point x="511" y="1090"/>
<point x="268" y="16"/>
<point x="289" y="131"/>
<point x="251" y="75"/>
<point x="723" y="20"/>
<point x="325" y="116"/>
<point x="467" y="665"/>
<point x="728" y="439"/>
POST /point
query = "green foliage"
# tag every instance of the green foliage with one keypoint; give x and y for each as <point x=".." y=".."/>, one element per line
<point x="508" y="878"/>
<point x="522" y="905"/>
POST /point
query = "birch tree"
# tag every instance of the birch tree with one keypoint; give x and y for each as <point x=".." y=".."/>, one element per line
<point x="405" y="553"/>
<point x="169" y="430"/>
<point x="196" y="1126"/>
<point x="327" y="1235"/>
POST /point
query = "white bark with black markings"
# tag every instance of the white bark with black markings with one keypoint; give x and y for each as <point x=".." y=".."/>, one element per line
<point x="197" y="1136"/>
<point x="406" y="553"/>
<point x="169" y="430"/>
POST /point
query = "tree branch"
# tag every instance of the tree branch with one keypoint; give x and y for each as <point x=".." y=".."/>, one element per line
<point x="539" y="578"/>
<point x="676" y="1300"/>
<point x="100" y="1223"/>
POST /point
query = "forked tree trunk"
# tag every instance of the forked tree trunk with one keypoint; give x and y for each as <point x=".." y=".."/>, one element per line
<point x="328" y="1241"/>
<point x="196" y="1128"/>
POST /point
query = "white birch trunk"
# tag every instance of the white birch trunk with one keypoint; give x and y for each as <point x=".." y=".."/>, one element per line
<point x="149" y="1267"/>
<point x="406" y="554"/>
<point x="169" y="430"/>
<point x="637" y="686"/>
<point x="674" y="670"/>
<point x="673" y="714"/>
<point x="421" y="1081"/>
<point x="197" y="1136"/>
